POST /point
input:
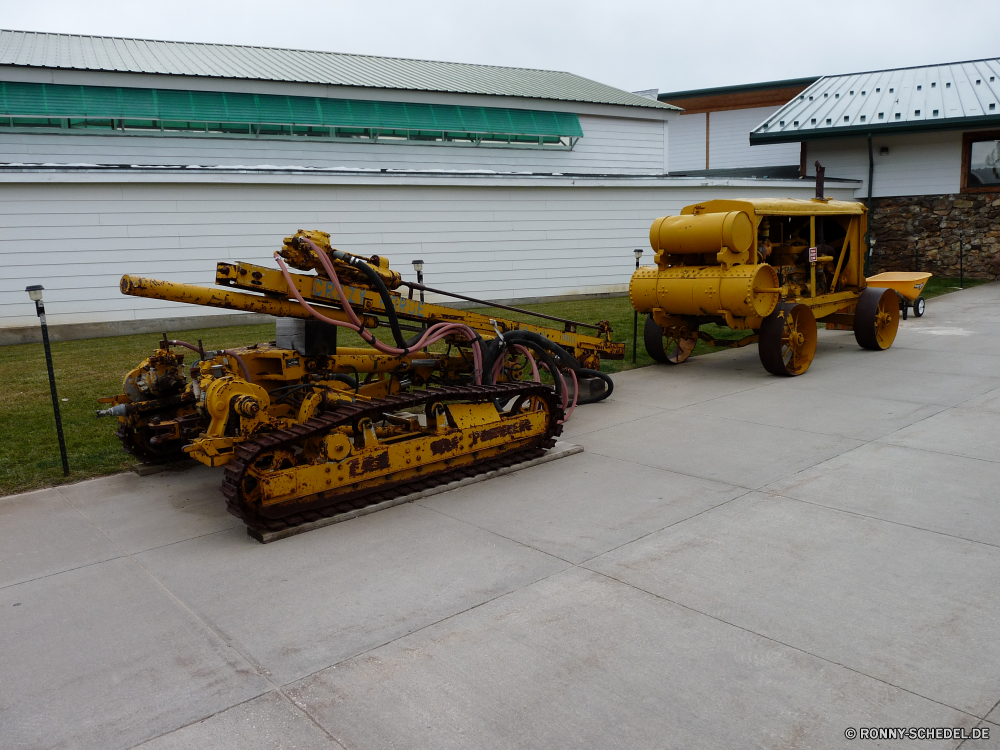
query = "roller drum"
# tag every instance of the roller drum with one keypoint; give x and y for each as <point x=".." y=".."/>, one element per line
<point x="743" y="291"/>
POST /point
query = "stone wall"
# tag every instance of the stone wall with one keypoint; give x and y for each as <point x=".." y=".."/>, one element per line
<point x="928" y="233"/>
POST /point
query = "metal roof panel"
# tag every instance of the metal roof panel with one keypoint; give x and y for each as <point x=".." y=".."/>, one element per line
<point x="928" y="97"/>
<point x="36" y="49"/>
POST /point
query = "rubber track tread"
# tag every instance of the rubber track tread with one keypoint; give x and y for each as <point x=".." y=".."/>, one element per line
<point x="347" y="414"/>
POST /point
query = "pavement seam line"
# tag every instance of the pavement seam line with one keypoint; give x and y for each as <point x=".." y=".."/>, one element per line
<point x="786" y="645"/>
<point x="877" y="518"/>
<point x="229" y="642"/>
<point x="570" y="562"/>
<point x="570" y="566"/>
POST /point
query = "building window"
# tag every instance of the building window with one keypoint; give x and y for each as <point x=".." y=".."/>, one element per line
<point x="981" y="162"/>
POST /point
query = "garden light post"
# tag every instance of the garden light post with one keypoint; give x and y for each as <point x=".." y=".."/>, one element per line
<point x="635" y="313"/>
<point x="35" y="293"/>
<point x="418" y="266"/>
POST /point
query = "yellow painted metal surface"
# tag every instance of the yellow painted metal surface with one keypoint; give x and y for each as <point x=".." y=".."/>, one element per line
<point x="138" y="286"/>
<point x="321" y="290"/>
<point x="743" y="291"/>
<point x="907" y="284"/>
<point x="734" y="262"/>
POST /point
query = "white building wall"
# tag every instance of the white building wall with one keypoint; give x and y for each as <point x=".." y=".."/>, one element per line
<point x="729" y="141"/>
<point x="610" y="145"/>
<point x="496" y="241"/>
<point x="687" y="143"/>
<point x="917" y="164"/>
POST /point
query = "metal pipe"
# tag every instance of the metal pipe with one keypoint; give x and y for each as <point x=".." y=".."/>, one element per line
<point x="868" y="226"/>
<point x="484" y="303"/>
<point x="138" y="286"/>
<point x="40" y="310"/>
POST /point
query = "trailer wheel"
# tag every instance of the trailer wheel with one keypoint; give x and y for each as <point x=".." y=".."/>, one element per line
<point x="666" y="347"/>
<point x="919" y="305"/>
<point x="876" y="318"/>
<point x="787" y="340"/>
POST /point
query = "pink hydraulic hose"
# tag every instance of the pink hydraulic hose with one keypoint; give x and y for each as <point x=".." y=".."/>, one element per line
<point x="434" y="333"/>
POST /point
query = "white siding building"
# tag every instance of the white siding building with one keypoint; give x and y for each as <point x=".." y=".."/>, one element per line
<point x="160" y="159"/>
<point x="712" y="132"/>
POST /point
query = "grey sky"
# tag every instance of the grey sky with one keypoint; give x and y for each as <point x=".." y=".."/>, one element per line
<point x="633" y="45"/>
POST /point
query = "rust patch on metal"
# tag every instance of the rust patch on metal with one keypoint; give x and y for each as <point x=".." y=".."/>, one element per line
<point x="369" y="464"/>
<point x="445" y="445"/>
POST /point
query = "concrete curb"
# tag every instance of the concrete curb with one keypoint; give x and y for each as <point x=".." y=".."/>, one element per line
<point x="560" y="450"/>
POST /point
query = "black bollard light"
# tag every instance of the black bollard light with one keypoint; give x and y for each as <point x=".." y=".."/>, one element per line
<point x="35" y="293"/>
<point x="635" y="313"/>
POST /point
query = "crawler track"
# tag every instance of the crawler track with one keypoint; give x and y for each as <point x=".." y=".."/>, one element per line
<point x="325" y="504"/>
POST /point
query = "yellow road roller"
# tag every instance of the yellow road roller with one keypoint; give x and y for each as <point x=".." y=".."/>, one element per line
<point x="774" y="267"/>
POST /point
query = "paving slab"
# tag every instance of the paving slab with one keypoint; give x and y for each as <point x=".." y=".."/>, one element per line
<point x="269" y="722"/>
<point x="887" y="381"/>
<point x="578" y="661"/>
<point x="142" y="512"/>
<point x="903" y="605"/>
<point x="973" y="433"/>
<point x="611" y="411"/>
<point x="312" y="600"/>
<point x="101" y="657"/>
<point x="581" y="508"/>
<point x="989" y="401"/>
<point x="812" y="410"/>
<point x="41" y="534"/>
<point x="723" y="450"/>
<point x="929" y="490"/>
<point x="915" y="363"/>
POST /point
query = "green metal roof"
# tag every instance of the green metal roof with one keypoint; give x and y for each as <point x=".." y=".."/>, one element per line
<point x="46" y="100"/>
<point x="114" y="54"/>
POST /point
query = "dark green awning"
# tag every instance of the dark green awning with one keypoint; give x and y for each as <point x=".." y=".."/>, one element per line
<point x="52" y="101"/>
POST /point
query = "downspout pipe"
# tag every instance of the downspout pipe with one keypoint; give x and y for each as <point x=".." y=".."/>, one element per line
<point x="868" y="228"/>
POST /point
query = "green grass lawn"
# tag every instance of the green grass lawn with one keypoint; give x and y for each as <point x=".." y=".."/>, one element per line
<point x="88" y="369"/>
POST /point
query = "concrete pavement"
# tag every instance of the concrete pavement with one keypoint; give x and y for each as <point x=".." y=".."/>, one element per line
<point x="736" y="560"/>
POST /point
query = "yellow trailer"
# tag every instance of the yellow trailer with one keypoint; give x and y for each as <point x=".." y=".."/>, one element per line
<point x="773" y="266"/>
<point x="908" y="285"/>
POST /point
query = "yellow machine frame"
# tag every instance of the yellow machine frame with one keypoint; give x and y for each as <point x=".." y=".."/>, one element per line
<point x="744" y="264"/>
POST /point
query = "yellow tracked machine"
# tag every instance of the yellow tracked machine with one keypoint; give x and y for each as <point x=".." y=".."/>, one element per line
<point x="771" y="266"/>
<point x="305" y="428"/>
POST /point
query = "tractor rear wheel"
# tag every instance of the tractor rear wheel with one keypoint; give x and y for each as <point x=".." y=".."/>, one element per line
<point x="787" y="340"/>
<point x="876" y="318"/>
<point x="666" y="346"/>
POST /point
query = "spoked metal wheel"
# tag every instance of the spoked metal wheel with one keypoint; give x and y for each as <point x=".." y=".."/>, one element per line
<point x="671" y="346"/>
<point x="787" y="341"/>
<point x="876" y="318"/>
